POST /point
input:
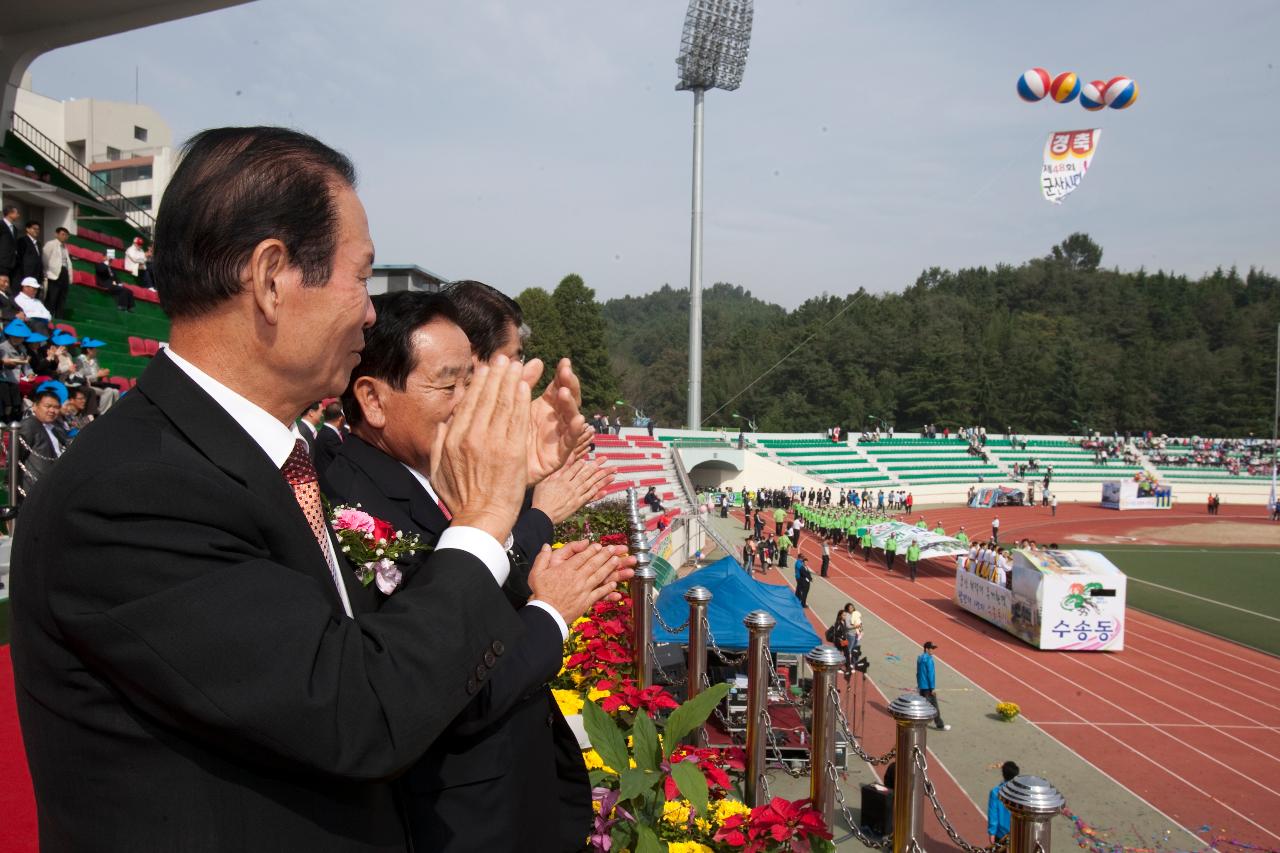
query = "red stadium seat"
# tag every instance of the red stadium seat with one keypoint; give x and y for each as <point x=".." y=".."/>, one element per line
<point x="153" y="347"/>
<point x="137" y="346"/>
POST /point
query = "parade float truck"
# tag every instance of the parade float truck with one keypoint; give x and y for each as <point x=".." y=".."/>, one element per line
<point x="1063" y="600"/>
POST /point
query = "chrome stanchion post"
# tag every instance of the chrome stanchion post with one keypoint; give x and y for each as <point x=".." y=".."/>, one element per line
<point x="698" y="597"/>
<point x="641" y="595"/>
<point x="10" y="509"/>
<point x="1032" y="804"/>
<point x="912" y="712"/>
<point x="825" y="662"/>
<point x="759" y="625"/>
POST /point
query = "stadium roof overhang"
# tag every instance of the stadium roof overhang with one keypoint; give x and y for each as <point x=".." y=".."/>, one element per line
<point x="42" y="27"/>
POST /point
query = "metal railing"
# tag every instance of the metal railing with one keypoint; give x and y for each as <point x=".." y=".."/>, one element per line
<point x="71" y="166"/>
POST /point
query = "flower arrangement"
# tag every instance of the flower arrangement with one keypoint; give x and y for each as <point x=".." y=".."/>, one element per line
<point x="1008" y="710"/>
<point x="650" y="791"/>
<point x="373" y="546"/>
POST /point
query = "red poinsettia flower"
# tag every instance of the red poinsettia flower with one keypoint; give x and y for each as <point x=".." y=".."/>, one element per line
<point x="782" y="820"/>
<point x="732" y="832"/>
<point x="613" y="539"/>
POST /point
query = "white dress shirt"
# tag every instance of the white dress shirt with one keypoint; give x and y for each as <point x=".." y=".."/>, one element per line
<point x="53" y="440"/>
<point x="277" y="441"/>
<point x="485" y="541"/>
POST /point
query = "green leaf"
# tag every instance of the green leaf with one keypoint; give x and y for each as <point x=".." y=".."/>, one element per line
<point x="647" y="840"/>
<point x="599" y="778"/>
<point x="644" y="742"/>
<point x="690" y="715"/>
<point x="692" y="784"/>
<point x="605" y="737"/>
<point x="635" y="782"/>
<point x="623" y="834"/>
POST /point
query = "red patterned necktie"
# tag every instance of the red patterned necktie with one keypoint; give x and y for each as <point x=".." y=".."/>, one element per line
<point x="301" y="475"/>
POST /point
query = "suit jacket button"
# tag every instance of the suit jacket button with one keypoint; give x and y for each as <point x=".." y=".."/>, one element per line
<point x="490" y="658"/>
<point x="471" y="686"/>
<point x="497" y="647"/>
<point x="481" y="672"/>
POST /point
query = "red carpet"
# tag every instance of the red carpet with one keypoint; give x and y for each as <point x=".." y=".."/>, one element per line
<point x="17" y="803"/>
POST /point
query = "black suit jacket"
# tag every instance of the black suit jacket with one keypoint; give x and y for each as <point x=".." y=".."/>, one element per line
<point x="327" y="445"/>
<point x="186" y="677"/>
<point x="8" y="308"/>
<point x="307" y="431"/>
<point x="30" y="261"/>
<point x="508" y="773"/>
<point x="36" y="451"/>
<point x="9" y="251"/>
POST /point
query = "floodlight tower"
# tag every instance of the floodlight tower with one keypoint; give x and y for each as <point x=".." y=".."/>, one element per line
<point x="713" y="55"/>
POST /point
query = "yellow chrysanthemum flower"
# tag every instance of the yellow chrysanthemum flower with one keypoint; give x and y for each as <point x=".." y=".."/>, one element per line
<point x="595" y="695"/>
<point x="722" y="810"/>
<point x="676" y="812"/>
<point x="570" y="701"/>
<point x="687" y="847"/>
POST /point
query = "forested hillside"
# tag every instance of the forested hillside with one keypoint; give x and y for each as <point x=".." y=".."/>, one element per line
<point x="1045" y="347"/>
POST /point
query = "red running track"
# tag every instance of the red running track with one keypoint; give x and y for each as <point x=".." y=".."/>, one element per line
<point x="1188" y="721"/>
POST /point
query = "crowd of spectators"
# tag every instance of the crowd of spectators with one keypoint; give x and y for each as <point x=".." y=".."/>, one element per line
<point x="1234" y="455"/>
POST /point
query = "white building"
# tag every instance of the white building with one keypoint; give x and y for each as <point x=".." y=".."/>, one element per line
<point x="127" y="146"/>
<point x="392" y="278"/>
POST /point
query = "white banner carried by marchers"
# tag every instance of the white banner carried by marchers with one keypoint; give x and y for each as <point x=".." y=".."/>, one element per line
<point x="1067" y="156"/>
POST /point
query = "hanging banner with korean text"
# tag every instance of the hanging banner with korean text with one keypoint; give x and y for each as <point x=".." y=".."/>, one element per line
<point x="1067" y="156"/>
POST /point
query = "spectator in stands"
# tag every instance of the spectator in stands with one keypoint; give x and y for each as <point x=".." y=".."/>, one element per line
<point x="135" y="258"/>
<point x="331" y="436"/>
<point x="104" y="276"/>
<point x="927" y="682"/>
<point x="9" y="308"/>
<point x="38" y="316"/>
<point x="9" y="242"/>
<point x="87" y="368"/>
<point x="57" y="271"/>
<point x="14" y="364"/>
<point x="998" y="817"/>
<point x="652" y="500"/>
<point x="40" y="439"/>
<point x="74" y="416"/>
<point x="307" y="426"/>
<point x="30" y="262"/>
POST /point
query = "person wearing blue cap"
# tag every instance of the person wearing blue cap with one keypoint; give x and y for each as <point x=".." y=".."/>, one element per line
<point x="87" y="368"/>
<point x="14" y="362"/>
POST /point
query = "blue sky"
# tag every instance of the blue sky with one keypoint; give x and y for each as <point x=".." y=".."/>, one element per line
<point x="517" y="142"/>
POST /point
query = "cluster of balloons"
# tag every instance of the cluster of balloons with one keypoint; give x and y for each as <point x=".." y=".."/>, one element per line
<point x="1118" y="93"/>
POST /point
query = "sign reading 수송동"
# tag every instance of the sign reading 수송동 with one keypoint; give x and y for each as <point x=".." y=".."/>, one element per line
<point x="1067" y="156"/>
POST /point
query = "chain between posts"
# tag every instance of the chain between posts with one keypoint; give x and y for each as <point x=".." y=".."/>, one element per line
<point x="922" y="763"/>
<point x="885" y="843"/>
<point x="653" y="605"/>
<point x="833" y="696"/>
<point x="662" y="672"/>
<point x="728" y="660"/>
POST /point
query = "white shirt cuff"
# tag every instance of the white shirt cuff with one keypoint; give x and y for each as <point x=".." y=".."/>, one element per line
<point x="479" y="544"/>
<point x="555" y="614"/>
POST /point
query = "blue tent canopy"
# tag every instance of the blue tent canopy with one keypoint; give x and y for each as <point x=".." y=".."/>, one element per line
<point x="734" y="594"/>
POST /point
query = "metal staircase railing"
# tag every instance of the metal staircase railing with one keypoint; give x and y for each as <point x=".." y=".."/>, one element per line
<point x="70" y="165"/>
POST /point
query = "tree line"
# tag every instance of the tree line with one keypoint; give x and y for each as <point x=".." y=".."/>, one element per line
<point x="1054" y="345"/>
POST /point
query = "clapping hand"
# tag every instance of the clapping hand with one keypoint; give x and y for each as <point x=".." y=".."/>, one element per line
<point x="574" y="577"/>
<point x="557" y="430"/>
<point x="572" y="486"/>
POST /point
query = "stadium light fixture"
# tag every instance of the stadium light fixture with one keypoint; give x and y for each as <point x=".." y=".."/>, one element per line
<point x="713" y="55"/>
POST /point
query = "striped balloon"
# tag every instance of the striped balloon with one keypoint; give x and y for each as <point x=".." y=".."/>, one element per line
<point x="1121" y="93"/>
<point x="1091" y="95"/>
<point x="1033" y="84"/>
<point x="1065" y="87"/>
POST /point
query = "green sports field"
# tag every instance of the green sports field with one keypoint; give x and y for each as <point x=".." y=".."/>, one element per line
<point x="1231" y="592"/>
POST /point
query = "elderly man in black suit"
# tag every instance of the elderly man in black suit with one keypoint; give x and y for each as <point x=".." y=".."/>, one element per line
<point x="195" y="666"/>
<point x="30" y="258"/>
<point x="511" y="745"/>
<point x="330" y="435"/>
<point x="104" y="276"/>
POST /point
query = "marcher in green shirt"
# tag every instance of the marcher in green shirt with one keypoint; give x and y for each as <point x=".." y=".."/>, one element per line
<point x="961" y="536"/>
<point x="922" y="524"/>
<point x="890" y="552"/>
<point x="866" y="544"/>
<point x="779" y="516"/>
<point x="784" y="545"/>
<point x="913" y="558"/>
<point x="940" y="530"/>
